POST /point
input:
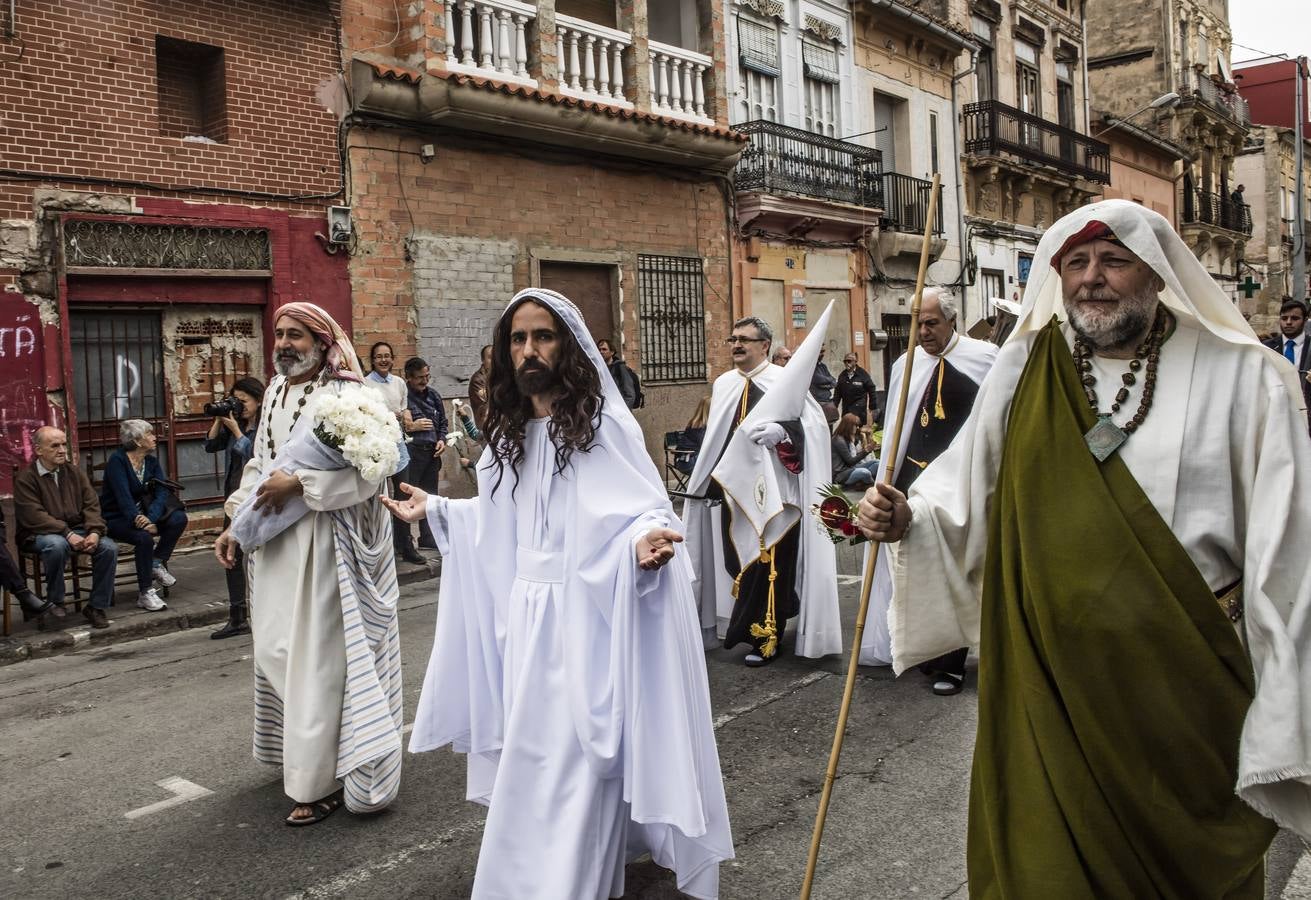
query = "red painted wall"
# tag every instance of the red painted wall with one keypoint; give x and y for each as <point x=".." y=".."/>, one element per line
<point x="23" y="404"/>
<point x="1268" y="90"/>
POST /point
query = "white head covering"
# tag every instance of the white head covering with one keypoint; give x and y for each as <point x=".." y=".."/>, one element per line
<point x="619" y="429"/>
<point x="1190" y="293"/>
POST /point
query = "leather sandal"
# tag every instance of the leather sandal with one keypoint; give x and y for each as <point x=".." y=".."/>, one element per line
<point x="320" y="810"/>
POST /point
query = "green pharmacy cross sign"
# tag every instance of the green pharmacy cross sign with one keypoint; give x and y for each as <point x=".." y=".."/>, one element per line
<point x="1249" y="287"/>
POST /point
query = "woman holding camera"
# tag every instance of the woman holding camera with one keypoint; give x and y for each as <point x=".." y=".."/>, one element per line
<point x="139" y="508"/>
<point x="234" y="433"/>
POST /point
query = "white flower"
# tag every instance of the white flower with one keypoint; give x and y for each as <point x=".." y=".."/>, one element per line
<point x="355" y="422"/>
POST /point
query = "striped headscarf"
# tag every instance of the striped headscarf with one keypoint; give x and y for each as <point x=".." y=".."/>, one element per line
<point x="340" y="359"/>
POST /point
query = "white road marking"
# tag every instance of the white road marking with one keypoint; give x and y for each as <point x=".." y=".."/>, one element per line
<point x="408" y="728"/>
<point x="791" y="687"/>
<point x="80" y="636"/>
<point x="1299" y="883"/>
<point x="184" y="792"/>
<point x="850" y="579"/>
<point x="348" y="883"/>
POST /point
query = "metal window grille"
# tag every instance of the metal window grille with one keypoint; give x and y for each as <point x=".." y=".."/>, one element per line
<point x="671" y="312"/>
<point x="757" y="46"/>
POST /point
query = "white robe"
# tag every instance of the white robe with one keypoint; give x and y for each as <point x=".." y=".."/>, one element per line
<point x="1223" y="455"/>
<point x="574" y="681"/>
<point x="819" y="624"/>
<point x="296" y="615"/>
<point x="972" y="358"/>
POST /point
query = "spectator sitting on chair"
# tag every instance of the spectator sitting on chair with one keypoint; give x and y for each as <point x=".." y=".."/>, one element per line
<point x="57" y="514"/>
<point x="44" y="611"/>
<point x="137" y="509"/>
<point x="851" y="467"/>
<point x="234" y="436"/>
<point x="689" y="441"/>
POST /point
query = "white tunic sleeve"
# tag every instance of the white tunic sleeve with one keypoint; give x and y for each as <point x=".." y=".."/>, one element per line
<point x="1274" y="765"/>
<point x="938" y="565"/>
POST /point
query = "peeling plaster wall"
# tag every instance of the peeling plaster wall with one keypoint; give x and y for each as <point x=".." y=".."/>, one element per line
<point x="204" y="354"/>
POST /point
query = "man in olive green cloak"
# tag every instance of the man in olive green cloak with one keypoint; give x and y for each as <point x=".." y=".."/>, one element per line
<point x="1121" y="528"/>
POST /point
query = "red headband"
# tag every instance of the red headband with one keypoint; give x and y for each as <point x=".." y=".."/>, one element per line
<point x="1093" y="231"/>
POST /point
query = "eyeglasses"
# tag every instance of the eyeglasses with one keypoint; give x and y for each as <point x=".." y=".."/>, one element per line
<point x="734" y="339"/>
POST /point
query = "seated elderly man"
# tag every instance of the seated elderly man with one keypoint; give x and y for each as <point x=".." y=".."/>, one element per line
<point x="57" y="514"/>
<point x="139" y="509"/>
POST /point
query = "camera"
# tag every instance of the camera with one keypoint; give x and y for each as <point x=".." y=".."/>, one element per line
<point x="228" y="406"/>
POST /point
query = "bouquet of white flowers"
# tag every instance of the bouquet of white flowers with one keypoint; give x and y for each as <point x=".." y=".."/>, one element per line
<point x="348" y="426"/>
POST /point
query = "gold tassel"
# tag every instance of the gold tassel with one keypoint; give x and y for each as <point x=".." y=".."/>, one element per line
<point x="770" y="628"/>
<point x="938" y="411"/>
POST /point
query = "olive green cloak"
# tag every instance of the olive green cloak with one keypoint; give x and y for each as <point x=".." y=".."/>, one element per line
<point x="1112" y="687"/>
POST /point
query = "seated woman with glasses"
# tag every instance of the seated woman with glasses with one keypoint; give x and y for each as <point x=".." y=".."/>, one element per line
<point x="140" y="509"/>
<point x="851" y="467"/>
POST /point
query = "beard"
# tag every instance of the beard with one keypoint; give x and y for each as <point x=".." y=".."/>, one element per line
<point x="534" y="379"/>
<point x="291" y="364"/>
<point x="1112" y="329"/>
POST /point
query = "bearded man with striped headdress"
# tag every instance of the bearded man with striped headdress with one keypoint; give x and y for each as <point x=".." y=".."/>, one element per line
<point x="323" y="596"/>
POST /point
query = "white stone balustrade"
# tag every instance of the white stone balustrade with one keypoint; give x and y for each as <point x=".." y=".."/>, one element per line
<point x="592" y="60"/>
<point x="680" y="82"/>
<point x="489" y="38"/>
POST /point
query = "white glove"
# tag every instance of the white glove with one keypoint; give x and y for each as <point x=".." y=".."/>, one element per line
<point x="767" y="434"/>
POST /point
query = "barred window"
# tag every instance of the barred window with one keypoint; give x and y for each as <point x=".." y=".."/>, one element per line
<point x="671" y="311"/>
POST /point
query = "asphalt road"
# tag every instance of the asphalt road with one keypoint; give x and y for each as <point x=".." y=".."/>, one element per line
<point x="87" y="738"/>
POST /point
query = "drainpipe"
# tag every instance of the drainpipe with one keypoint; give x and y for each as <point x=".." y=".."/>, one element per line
<point x="1083" y="31"/>
<point x="960" y="191"/>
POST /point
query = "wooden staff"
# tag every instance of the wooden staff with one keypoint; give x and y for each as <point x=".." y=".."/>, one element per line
<point x="912" y="341"/>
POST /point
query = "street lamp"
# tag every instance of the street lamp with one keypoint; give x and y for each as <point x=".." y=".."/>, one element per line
<point x="1165" y="101"/>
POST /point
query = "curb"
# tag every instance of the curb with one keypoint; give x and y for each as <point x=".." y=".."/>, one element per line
<point x="42" y="644"/>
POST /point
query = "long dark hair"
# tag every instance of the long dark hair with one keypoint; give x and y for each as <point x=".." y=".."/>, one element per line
<point x="575" y="413"/>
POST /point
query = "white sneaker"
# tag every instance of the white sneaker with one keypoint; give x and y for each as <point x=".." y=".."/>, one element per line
<point x="149" y="600"/>
<point x="163" y="575"/>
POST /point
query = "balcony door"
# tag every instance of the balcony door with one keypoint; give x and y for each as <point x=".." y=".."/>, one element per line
<point x="885" y="137"/>
<point x="1028" y="91"/>
<point x="1065" y="111"/>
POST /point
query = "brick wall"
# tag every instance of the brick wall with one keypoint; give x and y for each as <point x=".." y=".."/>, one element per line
<point x="443" y="246"/>
<point x="83" y="101"/>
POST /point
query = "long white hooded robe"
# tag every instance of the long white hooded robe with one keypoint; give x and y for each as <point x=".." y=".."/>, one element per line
<point x="819" y="624"/>
<point x="972" y="358"/>
<point x="574" y="681"/>
<point x="1224" y="458"/>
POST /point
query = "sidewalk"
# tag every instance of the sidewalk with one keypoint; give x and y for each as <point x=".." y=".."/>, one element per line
<point x="200" y="598"/>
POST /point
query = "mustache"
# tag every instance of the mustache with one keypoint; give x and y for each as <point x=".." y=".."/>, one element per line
<point x="531" y="366"/>
<point x="1096" y="294"/>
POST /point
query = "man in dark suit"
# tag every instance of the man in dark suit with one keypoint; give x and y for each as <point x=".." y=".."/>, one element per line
<point x="1292" y="343"/>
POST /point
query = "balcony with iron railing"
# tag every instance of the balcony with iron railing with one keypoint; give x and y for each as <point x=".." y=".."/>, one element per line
<point x="905" y="204"/>
<point x="1221" y="98"/>
<point x="1205" y="208"/>
<point x="993" y="128"/>
<point x="780" y="159"/>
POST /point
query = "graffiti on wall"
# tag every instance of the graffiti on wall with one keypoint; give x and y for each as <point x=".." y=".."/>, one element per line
<point x="23" y="403"/>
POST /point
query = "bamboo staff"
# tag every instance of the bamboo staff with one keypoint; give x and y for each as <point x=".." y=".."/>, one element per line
<point x="890" y="454"/>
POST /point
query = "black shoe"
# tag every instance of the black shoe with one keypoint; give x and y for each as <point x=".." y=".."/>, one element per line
<point x="32" y="605"/>
<point x="410" y="555"/>
<point x="96" y="617"/>
<point x="947" y="685"/>
<point x="234" y="627"/>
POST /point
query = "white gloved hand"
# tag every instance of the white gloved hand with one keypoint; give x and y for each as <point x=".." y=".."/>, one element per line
<point x="767" y="434"/>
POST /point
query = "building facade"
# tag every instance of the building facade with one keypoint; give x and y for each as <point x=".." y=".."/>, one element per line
<point x="806" y="201"/>
<point x="910" y="101"/>
<point x="166" y="180"/>
<point x="1143" y="51"/>
<point x="1267" y="167"/>
<point x="570" y="144"/>
<point x="1145" y="167"/>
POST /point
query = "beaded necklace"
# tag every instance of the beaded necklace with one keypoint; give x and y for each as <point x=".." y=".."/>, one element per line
<point x="1104" y="438"/>
<point x="300" y="407"/>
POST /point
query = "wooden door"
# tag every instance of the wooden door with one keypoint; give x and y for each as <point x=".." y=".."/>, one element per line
<point x="591" y="288"/>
